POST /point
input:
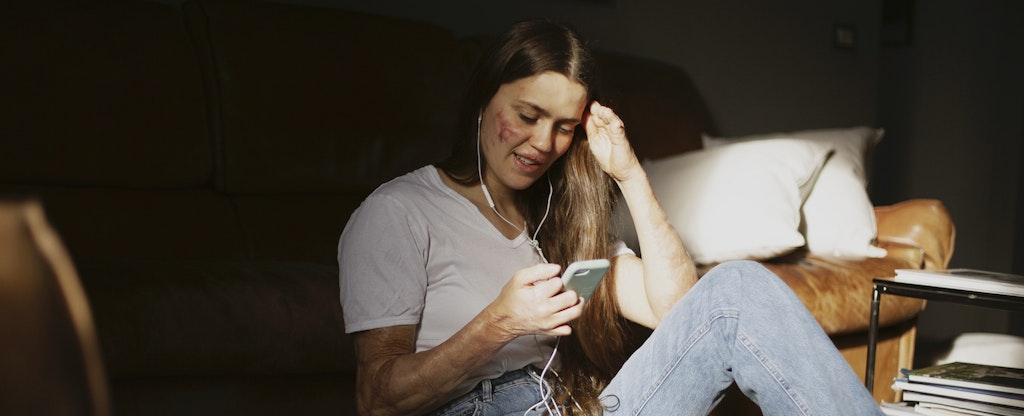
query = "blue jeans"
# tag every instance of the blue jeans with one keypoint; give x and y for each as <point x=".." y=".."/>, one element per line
<point x="509" y="395"/>
<point x="740" y="323"/>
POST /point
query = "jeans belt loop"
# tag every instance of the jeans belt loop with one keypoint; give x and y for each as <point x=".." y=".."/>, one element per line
<point x="487" y="391"/>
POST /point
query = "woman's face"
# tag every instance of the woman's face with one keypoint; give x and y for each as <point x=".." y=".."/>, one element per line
<point x="527" y="125"/>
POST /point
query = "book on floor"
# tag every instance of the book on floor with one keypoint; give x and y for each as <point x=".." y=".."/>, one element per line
<point x="979" y="395"/>
<point x="965" y="406"/>
<point x="977" y="376"/>
<point x="965" y="279"/>
<point x="898" y="409"/>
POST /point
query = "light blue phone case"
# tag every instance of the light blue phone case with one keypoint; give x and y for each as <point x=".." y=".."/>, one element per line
<point x="584" y="276"/>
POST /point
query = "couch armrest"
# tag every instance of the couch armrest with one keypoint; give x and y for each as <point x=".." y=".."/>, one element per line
<point x="922" y="223"/>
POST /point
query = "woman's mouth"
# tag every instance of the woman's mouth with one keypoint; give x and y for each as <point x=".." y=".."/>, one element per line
<point x="527" y="163"/>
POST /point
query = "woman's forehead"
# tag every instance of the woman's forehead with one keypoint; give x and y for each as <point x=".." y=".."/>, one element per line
<point x="549" y="92"/>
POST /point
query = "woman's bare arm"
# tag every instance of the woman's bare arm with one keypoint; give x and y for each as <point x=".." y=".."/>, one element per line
<point x="666" y="271"/>
<point x="645" y="289"/>
<point x="393" y="379"/>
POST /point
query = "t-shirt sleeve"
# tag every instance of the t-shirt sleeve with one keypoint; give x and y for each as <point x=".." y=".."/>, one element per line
<point x="619" y="248"/>
<point x="381" y="266"/>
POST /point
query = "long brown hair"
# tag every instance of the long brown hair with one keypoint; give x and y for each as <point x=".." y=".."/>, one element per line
<point x="582" y="205"/>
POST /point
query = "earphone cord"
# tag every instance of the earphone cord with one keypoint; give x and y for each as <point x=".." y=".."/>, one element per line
<point x="546" y="394"/>
<point x="551" y="189"/>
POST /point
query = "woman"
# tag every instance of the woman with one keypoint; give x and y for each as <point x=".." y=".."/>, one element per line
<point x="449" y="274"/>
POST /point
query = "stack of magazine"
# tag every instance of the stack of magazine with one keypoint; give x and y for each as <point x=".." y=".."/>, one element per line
<point x="960" y="389"/>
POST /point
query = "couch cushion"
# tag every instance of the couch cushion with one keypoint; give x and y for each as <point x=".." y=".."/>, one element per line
<point x="250" y="395"/>
<point x="329" y="100"/>
<point x="101" y="223"/>
<point x="296" y="227"/>
<point x="213" y="318"/>
<point x="101" y="93"/>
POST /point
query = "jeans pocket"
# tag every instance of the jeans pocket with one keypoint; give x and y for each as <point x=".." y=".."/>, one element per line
<point x="469" y="406"/>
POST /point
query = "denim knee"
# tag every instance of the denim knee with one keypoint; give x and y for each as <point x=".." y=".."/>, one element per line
<point x="748" y="279"/>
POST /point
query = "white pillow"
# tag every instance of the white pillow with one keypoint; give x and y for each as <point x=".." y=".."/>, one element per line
<point x="735" y="202"/>
<point x="839" y="215"/>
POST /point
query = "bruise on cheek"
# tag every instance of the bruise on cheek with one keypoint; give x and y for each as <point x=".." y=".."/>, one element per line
<point x="507" y="128"/>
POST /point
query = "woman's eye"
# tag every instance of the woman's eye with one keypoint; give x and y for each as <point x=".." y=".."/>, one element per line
<point x="528" y="119"/>
<point x="565" y="130"/>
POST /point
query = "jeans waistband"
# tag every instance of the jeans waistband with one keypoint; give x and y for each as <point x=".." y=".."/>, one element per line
<point x="485" y="389"/>
<point x="513" y="375"/>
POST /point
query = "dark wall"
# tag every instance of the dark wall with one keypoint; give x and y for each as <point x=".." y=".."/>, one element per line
<point x="1017" y="319"/>
<point x="951" y="101"/>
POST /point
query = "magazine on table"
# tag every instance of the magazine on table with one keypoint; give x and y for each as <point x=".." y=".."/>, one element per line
<point x="965" y="279"/>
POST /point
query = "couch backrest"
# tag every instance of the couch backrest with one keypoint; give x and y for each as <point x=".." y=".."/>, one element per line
<point x="236" y="129"/>
<point x="663" y="112"/>
<point x="317" y="107"/>
<point x="324" y="100"/>
<point x="105" y="117"/>
<point x="102" y="94"/>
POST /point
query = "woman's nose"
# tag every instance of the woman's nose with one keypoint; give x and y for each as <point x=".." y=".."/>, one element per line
<point x="543" y="137"/>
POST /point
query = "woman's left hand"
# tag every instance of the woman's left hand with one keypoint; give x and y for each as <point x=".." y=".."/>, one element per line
<point x="607" y="135"/>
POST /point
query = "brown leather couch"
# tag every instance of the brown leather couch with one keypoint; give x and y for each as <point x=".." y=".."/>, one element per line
<point x="201" y="159"/>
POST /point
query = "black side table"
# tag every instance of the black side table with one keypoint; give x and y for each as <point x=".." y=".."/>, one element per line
<point x="964" y="297"/>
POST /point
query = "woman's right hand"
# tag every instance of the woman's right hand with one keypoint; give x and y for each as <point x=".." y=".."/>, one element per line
<point x="394" y="379"/>
<point x="533" y="302"/>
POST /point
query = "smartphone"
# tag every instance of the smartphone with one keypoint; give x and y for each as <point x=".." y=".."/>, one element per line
<point x="583" y="276"/>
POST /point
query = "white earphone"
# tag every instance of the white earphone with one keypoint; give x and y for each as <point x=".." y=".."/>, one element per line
<point x="547" y="399"/>
<point x="490" y="201"/>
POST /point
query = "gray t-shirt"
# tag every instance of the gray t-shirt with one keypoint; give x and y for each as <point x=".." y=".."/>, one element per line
<point x="418" y="253"/>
